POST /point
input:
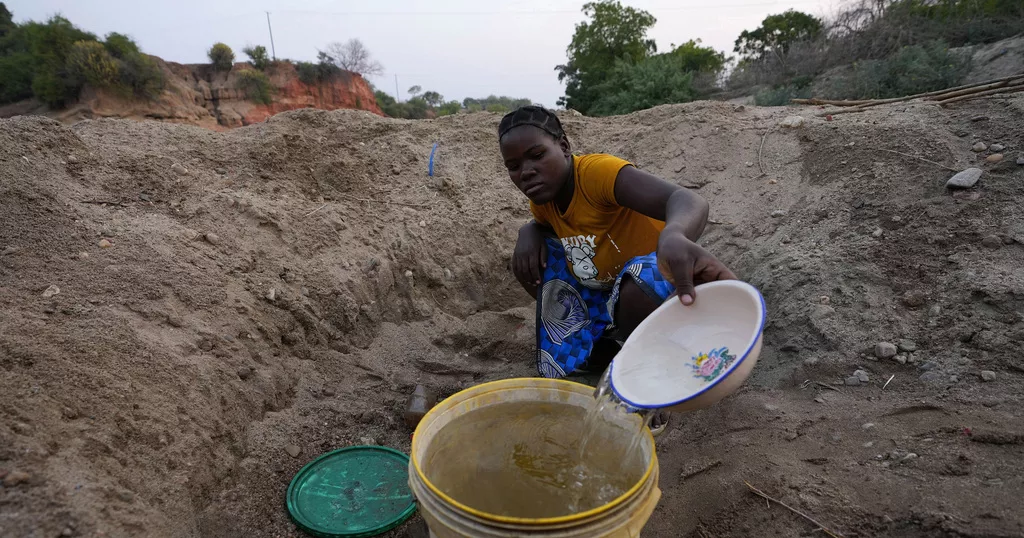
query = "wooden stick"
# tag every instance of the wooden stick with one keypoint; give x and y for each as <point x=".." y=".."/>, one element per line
<point x="1008" y="89"/>
<point x="102" y="202"/>
<point x="875" y="102"/>
<point x="826" y="385"/>
<point x="314" y="211"/>
<point x="940" y="165"/>
<point x="761" y="147"/>
<point x="765" y="496"/>
<point x="705" y="468"/>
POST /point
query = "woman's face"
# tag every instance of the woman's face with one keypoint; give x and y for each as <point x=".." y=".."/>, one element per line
<point x="537" y="163"/>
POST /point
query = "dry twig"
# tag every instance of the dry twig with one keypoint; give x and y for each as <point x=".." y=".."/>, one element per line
<point x="102" y="202"/>
<point x="760" y="164"/>
<point x="765" y="496"/>
<point x="314" y="211"/>
<point x="702" y="469"/>
<point x="826" y="385"/>
<point x="918" y="158"/>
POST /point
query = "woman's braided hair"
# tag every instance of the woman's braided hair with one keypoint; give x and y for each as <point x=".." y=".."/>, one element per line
<point x="536" y="116"/>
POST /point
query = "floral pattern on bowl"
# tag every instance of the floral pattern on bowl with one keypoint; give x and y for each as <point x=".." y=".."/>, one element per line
<point x="708" y="366"/>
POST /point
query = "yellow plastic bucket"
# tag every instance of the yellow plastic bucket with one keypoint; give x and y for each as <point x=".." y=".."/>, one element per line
<point x="447" y="518"/>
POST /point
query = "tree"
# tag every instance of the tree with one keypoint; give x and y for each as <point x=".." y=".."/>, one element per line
<point x="415" y="90"/>
<point x="6" y="20"/>
<point x="221" y="56"/>
<point x="776" y="34"/>
<point x="695" y="58"/>
<point x="433" y="99"/>
<point x="258" y="56"/>
<point x="658" y="80"/>
<point x="451" y="107"/>
<point x="353" y="56"/>
<point x="613" y="33"/>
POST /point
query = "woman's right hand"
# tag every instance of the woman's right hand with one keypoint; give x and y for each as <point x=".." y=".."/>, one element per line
<point x="530" y="256"/>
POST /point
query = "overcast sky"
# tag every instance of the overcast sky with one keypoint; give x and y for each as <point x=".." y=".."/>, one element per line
<point x="460" y="48"/>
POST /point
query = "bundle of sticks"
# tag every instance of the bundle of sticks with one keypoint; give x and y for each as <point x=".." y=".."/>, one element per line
<point x="1011" y="84"/>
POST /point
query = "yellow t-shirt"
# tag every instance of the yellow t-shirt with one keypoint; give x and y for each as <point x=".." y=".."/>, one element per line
<point x="598" y="234"/>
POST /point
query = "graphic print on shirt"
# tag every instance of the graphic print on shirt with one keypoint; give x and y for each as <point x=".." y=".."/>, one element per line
<point x="580" y="252"/>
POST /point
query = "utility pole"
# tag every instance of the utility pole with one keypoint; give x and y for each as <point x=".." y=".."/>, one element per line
<point x="273" y="50"/>
<point x="398" y="96"/>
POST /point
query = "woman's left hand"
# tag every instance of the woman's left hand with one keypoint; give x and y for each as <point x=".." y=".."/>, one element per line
<point x="686" y="264"/>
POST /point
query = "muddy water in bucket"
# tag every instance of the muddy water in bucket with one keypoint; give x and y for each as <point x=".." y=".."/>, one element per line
<point x="538" y="459"/>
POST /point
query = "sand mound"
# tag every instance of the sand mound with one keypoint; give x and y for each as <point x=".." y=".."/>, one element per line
<point x="180" y="308"/>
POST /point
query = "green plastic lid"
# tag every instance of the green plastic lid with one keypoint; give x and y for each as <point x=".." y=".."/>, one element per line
<point x="352" y="492"/>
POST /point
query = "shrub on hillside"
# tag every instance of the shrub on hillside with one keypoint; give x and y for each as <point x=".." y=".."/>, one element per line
<point x="221" y="56"/>
<point x="781" y="95"/>
<point x="142" y="75"/>
<point x="16" y="72"/>
<point x="912" y="70"/>
<point x="89" y="62"/>
<point x="258" y="56"/>
<point x="256" y="85"/>
<point x="120" y="46"/>
<point x="654" y="81"/>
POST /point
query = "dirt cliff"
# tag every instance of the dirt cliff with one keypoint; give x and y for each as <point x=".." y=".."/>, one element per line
<point x="187" y="316"/>
<point x="197" y="94"/>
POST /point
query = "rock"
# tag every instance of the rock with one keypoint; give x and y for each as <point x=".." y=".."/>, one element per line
<point x="964" y="179"/>
<point x="852" y="381"/>
<point x="222" y="171"/>
<point x="67" y="532"/>
<point x="885" y="350"/>
<point x="69" y="413"/>
<point x="328" y="391"/>
<point x="933" y="377"/>
<point x="994" y="158"/>
<point x="244" y="373"/>
<point x="72" y="159"/>
<point x="179" y="169"/>
<point x="271" y="295"/>
<point x="51" y="291"/>
<point x="368" y="441"/>
<point x="819" y="400"/>
<point x="205" y="344"/>
<point x="992" y="242"/>
<point x="126" y="496"/>
<point x="878" y="232"/>
<point x="9" y="250"/>
<point x="293" y="450"/>
<point x="1020" y="160"/>
<point x="15" y="478"/>
<point x="810" y="361"/>
<point x="779" y="213"/>
<point x="793" y="122"/>
<point x="929" y="365"/>
<point x="105" y="244"/>
<point x="988" y="375"/>
<point x="211" y="238"/>
<point x="868" y="426"/>
<point x="979" y="147"/>
<point x="907" y="346"/>
<point x="954" y="378"/>
<point x="914" y="299"/>
<point x="979" y="118"/>
<point x="423" y="224"/>
<point x="902" y="359"/>
<point x="996" y="148"/>
<point x="175" y="321"/>
<point x="448" y="274"/>
<point x="408" y="274"/>
<point x="909" y="457"/>
<point x="83" y="255"/>
<point x="862" y="376"/>
<point x="935" y="311"/>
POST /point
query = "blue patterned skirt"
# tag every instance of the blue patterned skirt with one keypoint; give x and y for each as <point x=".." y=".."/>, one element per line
<point x="571" y="317"/>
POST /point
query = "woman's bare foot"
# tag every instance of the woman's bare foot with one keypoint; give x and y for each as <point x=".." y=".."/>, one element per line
<point x="660" y="422"/>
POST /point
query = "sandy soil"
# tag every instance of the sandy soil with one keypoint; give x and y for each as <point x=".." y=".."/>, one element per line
<point x="288" y="283"/>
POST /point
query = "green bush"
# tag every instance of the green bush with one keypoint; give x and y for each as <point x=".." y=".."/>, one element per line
<point x="142" y="75"/>
<point x="308" y="72"/>
<point x="221" y="56"/>
<point x="121" y="46"/>
<point x="16" y="72"/>
<point x="52" y="88"/>
<point x="653" y="81"/>
<point x="258" y="56"/>
<point x="449" y="108"/>
<point x="912" y="70"/>
<point x="89" y="62"/>
<point x="256" y="85"/>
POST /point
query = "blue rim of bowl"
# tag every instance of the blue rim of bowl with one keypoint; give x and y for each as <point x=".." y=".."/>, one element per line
<point x="757" y="336"/>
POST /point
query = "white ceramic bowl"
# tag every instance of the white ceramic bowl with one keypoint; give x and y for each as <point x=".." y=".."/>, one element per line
<point x="688" y="357"/>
